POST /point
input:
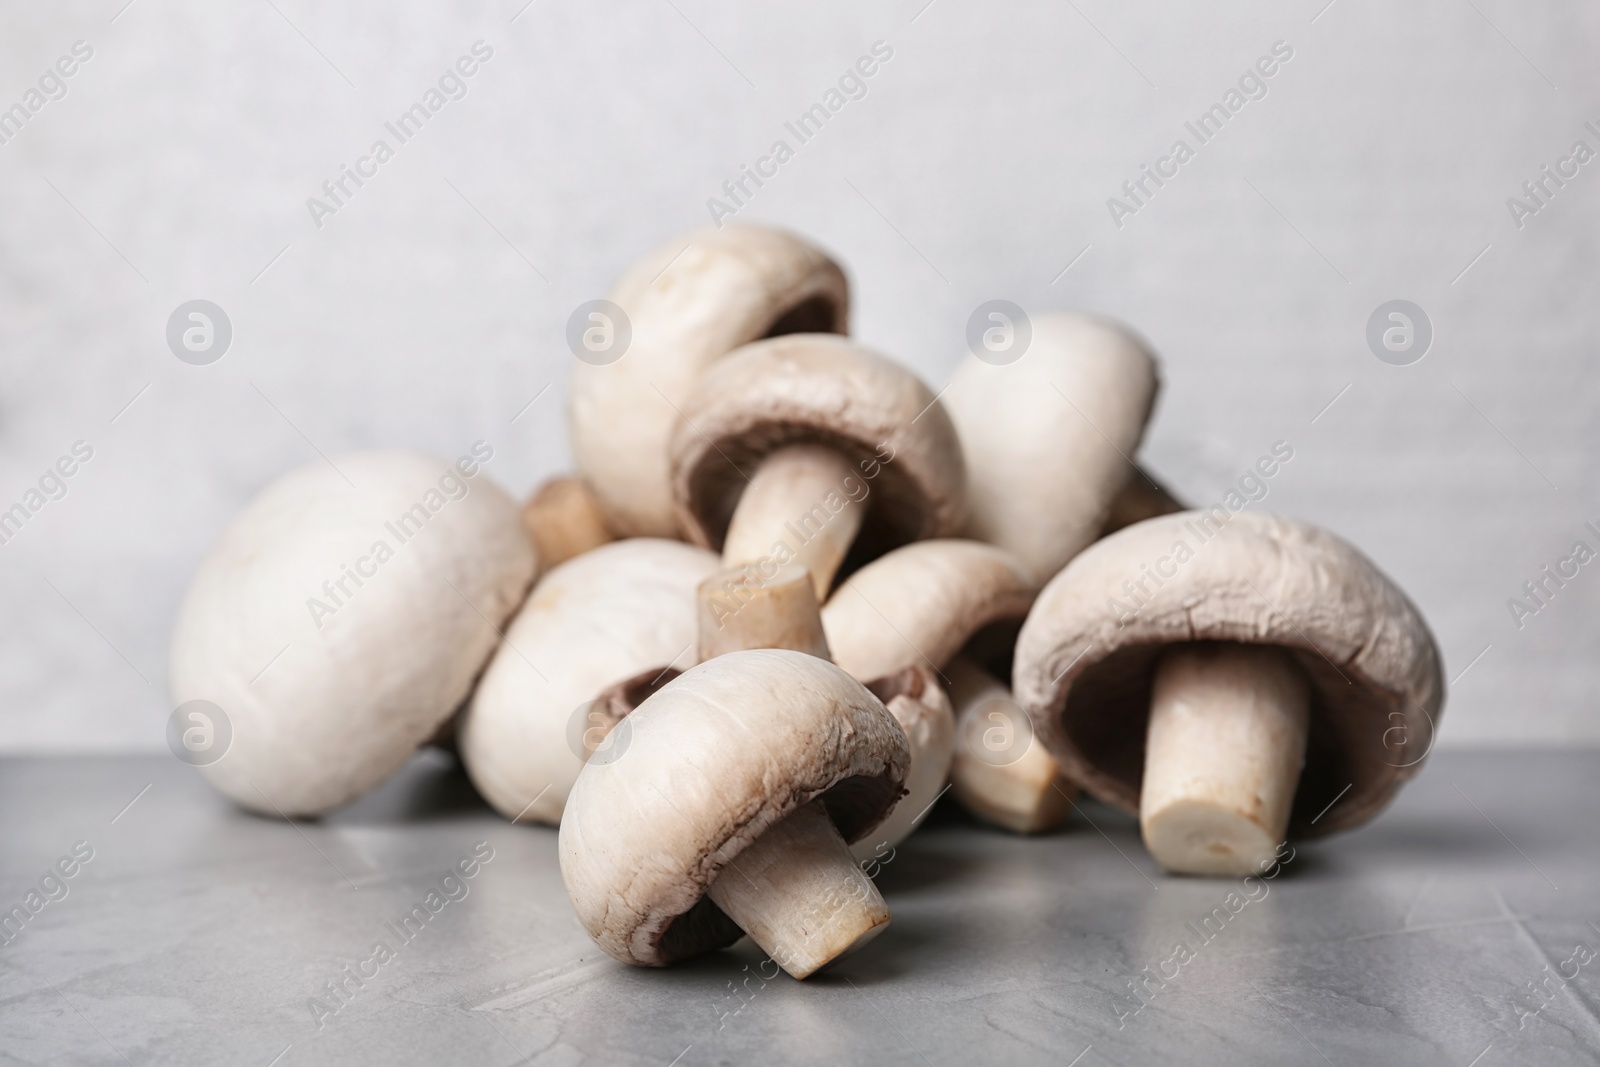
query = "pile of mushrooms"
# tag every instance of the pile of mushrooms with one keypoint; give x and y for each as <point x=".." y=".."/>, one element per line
<point x="790" y="597"/>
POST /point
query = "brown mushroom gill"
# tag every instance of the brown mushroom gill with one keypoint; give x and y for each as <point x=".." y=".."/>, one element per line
<point x="1106" y="715"/>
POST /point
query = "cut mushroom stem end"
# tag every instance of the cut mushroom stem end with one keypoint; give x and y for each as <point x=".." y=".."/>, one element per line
<point x="564" y="519"/>
<point x="1225" y="745"/>
<point x="797" y="497"/>
<point x="800" y="895"/>
<point x="1000" y="772"/>
<point x="741" y="609"/>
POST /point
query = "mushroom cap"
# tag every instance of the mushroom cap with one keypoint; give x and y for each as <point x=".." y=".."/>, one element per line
<point x="712" y="760"/>
<point x="324" y="703"/>
<point x="819" y="388"/>
<point x="921" y="603"/>
<point x="1048" y="438"/>
<point x="1085" y="677"/>
<point x="615" y="613"/>
<point x="922" y="708"/>
<point x="689" y="303"/>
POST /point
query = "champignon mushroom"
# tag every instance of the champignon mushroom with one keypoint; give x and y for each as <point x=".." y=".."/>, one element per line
<point x="743" y="782"/>
<point x="741" y="608"/>
<point x="1001" y="773"/>
<point x="792" y="447"/>
<point x="688" y="303"/>
<point x="1187" y="666"/>
<point x="342" y="618"/>
<point x="596" y="635"/>
<point x="564" y="519"/>
<point x="913" y="610"/>
<point x="1047" y="438"/>
<point x="922" y="603"/>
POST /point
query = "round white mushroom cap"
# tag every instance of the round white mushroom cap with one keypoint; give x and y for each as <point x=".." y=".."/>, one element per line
<point x="619" y="613"/>
<point x="1048" y="439"/>
<point x="689" y="303"/>
<point x="1086" y="656"/>
<point x="713" y="759"/>
<point x="338" y="623"/>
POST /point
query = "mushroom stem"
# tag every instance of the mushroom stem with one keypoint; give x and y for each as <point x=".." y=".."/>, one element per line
<point x="797" y="497"/>
<point x="799" y="895"/>
<point x="741" y="609"/>
<point x="1225" y="744"/>
<point x="564" y="519"/>
<point x="1001" y="773"/>
<point x="1142" y="497"/>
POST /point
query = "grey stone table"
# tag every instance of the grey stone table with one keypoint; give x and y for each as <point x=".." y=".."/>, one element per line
<point x="1459" y="929"/>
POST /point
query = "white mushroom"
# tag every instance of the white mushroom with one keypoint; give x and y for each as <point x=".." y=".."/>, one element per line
<point x="1048" y="438"/>
<point x="689" y="303"/>
<point x="796" y="448"/>
<point x="743" y="781"/>
<point x="596" y="635"/>
<point x="337" y="624"/>
<point x="740" y="609"/>
<point x="922" y="603"/>
<point x="1187" y="666"/>
<point x="913" y="610"/>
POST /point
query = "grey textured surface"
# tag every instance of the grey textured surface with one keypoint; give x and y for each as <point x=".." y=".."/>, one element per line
<point x="198" y="934"/>
<point x="431" y="309"/>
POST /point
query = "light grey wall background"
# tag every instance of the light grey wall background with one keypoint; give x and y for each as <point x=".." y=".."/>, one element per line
<point x="430" y="309"/>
